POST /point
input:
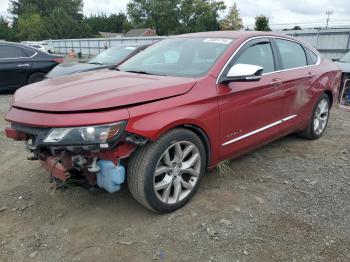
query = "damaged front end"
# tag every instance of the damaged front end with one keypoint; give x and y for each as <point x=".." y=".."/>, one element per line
<point x="94" y="153"/>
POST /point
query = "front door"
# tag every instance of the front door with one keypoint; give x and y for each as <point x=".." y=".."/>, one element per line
<point x="250" y="111"/>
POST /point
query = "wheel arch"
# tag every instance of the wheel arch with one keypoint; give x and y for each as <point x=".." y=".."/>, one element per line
<point x="198" y="130"/>
<point x="329" y="93"/>
<point x="204" y="137"/>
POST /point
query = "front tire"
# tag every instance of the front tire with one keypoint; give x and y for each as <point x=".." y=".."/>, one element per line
<point x="164" y="175"/>
<point x="319" y="119"/>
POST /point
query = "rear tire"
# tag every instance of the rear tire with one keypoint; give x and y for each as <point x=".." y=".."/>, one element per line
<point x="164" y="175"/>
<point x="319" y="119"/>
<point x="36" y="77"/>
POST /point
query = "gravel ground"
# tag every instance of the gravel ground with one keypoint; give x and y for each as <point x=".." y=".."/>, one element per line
<point x="288" y="201"/>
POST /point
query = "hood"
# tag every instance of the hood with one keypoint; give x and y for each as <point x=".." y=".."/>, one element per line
<point x="98" y="90"/>
<point x="345" y="67"/>
<point x="73" y="67"/>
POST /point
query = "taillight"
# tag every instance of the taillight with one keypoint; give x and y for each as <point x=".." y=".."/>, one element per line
<point x="59" y="60"/>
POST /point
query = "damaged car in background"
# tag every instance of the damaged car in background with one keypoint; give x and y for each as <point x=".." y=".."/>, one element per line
<point x="170" y="112"/>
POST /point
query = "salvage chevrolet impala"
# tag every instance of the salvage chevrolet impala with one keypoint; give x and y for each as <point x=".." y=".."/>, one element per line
<point x="175" y="109"/>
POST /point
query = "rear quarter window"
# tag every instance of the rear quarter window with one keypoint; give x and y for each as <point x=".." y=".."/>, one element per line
<point x="292" y="54"/>
<point x="312" y="57"/>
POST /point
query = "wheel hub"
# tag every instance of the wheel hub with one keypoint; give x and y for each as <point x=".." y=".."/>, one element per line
<point x="177" y="172"/>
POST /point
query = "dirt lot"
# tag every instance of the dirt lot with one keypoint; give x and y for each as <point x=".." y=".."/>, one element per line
<point x="288" y="201"/>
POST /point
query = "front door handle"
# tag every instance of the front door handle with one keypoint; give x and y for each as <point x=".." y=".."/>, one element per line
<point x="276" y="82"/>
<point x="23" y="65"/>
<point x="311" y="75"/>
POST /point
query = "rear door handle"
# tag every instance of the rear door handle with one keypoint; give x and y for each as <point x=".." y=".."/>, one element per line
<point x="23" y="65"/>
<point x="311" y="75"/>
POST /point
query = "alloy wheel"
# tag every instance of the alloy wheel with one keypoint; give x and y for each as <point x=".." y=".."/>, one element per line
<point x="321" y="116"/>
<point x="177" y="172"/>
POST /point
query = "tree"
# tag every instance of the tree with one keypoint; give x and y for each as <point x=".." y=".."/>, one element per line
<point x="296" y="28"/>
<point x="159" y="14"/>
<point x="175" y="16"/>
<point x="38" y="19"/>
<point x="199" y="15"/>
<point x="30" y="27"/>
<point x="232" y="21"/>
<point x="262" y="23"/>
<point x="45" y="7"/>
<point x="61" y="24"/>
<point x="6" y="32"/>
<point x="115" y="23"/>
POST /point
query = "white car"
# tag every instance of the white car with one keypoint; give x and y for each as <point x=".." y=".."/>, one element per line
<point x="42" y="46"/>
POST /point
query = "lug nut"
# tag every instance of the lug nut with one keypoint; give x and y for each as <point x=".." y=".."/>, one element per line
<point x="174" y="164"/>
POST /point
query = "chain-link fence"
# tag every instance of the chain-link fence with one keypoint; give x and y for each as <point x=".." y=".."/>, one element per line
<point x="332" y="43"/>
<point x="93" y="46"/>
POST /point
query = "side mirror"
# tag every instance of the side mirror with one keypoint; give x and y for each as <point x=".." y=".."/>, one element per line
<point x="243" y="72"/>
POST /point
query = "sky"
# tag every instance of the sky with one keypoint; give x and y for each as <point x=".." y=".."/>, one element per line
<point x="282" y="14"/>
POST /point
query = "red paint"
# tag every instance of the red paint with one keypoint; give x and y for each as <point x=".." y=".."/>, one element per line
<point x="120" y="152"/>
<point x="14" y="134"/>
<point x="98" y="90"/>
<point x="154" y="104"/>
<point x="55" y="168"/>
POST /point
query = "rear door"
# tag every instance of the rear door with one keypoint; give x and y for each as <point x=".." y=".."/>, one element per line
<point x="298" y="76"/>
<point x="250" y="111"/>
<point x="15" y="66"/>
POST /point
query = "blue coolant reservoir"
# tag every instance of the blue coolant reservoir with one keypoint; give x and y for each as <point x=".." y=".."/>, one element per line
<point x="111" y="176"/>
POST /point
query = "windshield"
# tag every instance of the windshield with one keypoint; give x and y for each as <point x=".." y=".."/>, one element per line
<point x="113" y="55"/>
<point x="184" y="57"/>
<point x="346" y="58"/>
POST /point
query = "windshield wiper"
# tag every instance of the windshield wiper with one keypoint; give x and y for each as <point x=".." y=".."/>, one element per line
<point x="114" y="67"/>
<point x="95" y="63"/>
<point x="142" y="72"/>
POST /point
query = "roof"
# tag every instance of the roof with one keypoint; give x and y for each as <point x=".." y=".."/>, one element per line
<point x="137" y="32"/>
<point x="232" y="34"/>
<point x="110" y="35"/>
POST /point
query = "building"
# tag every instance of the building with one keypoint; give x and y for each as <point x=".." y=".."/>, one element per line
<point x="110" y="35"/>
<point x="141" y="32"/>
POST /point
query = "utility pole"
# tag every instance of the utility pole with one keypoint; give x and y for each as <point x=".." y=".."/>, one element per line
<point x="328" y="13"/>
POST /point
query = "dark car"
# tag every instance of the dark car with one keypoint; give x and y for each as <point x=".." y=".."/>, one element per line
<point x="21" y="65"/>
<point x="108" y="58"/>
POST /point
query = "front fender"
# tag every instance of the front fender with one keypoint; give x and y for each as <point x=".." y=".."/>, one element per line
<point x="152" y="120"/>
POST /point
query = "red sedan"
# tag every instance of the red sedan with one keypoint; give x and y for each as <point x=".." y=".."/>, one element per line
<point x="175" y="109"/>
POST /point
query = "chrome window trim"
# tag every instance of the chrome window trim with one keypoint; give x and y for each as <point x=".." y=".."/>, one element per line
<point x="11" y="58"/>
<point x="259" y="130"/>
<point x="277" y="71"/>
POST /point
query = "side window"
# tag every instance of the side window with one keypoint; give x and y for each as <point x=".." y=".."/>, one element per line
<point x="312" y="56"/>
<point x="28" y="53"/>
<point x="258" y="54"/>
<point x="10" y="52"/>
<point x="292" y="54"/>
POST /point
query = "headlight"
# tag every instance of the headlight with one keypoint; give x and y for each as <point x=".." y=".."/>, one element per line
<point x="87" y="135"/>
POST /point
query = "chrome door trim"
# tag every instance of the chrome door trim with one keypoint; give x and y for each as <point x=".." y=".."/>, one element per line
<point x="277" y="71"/>
<point x="259" y="130"/>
